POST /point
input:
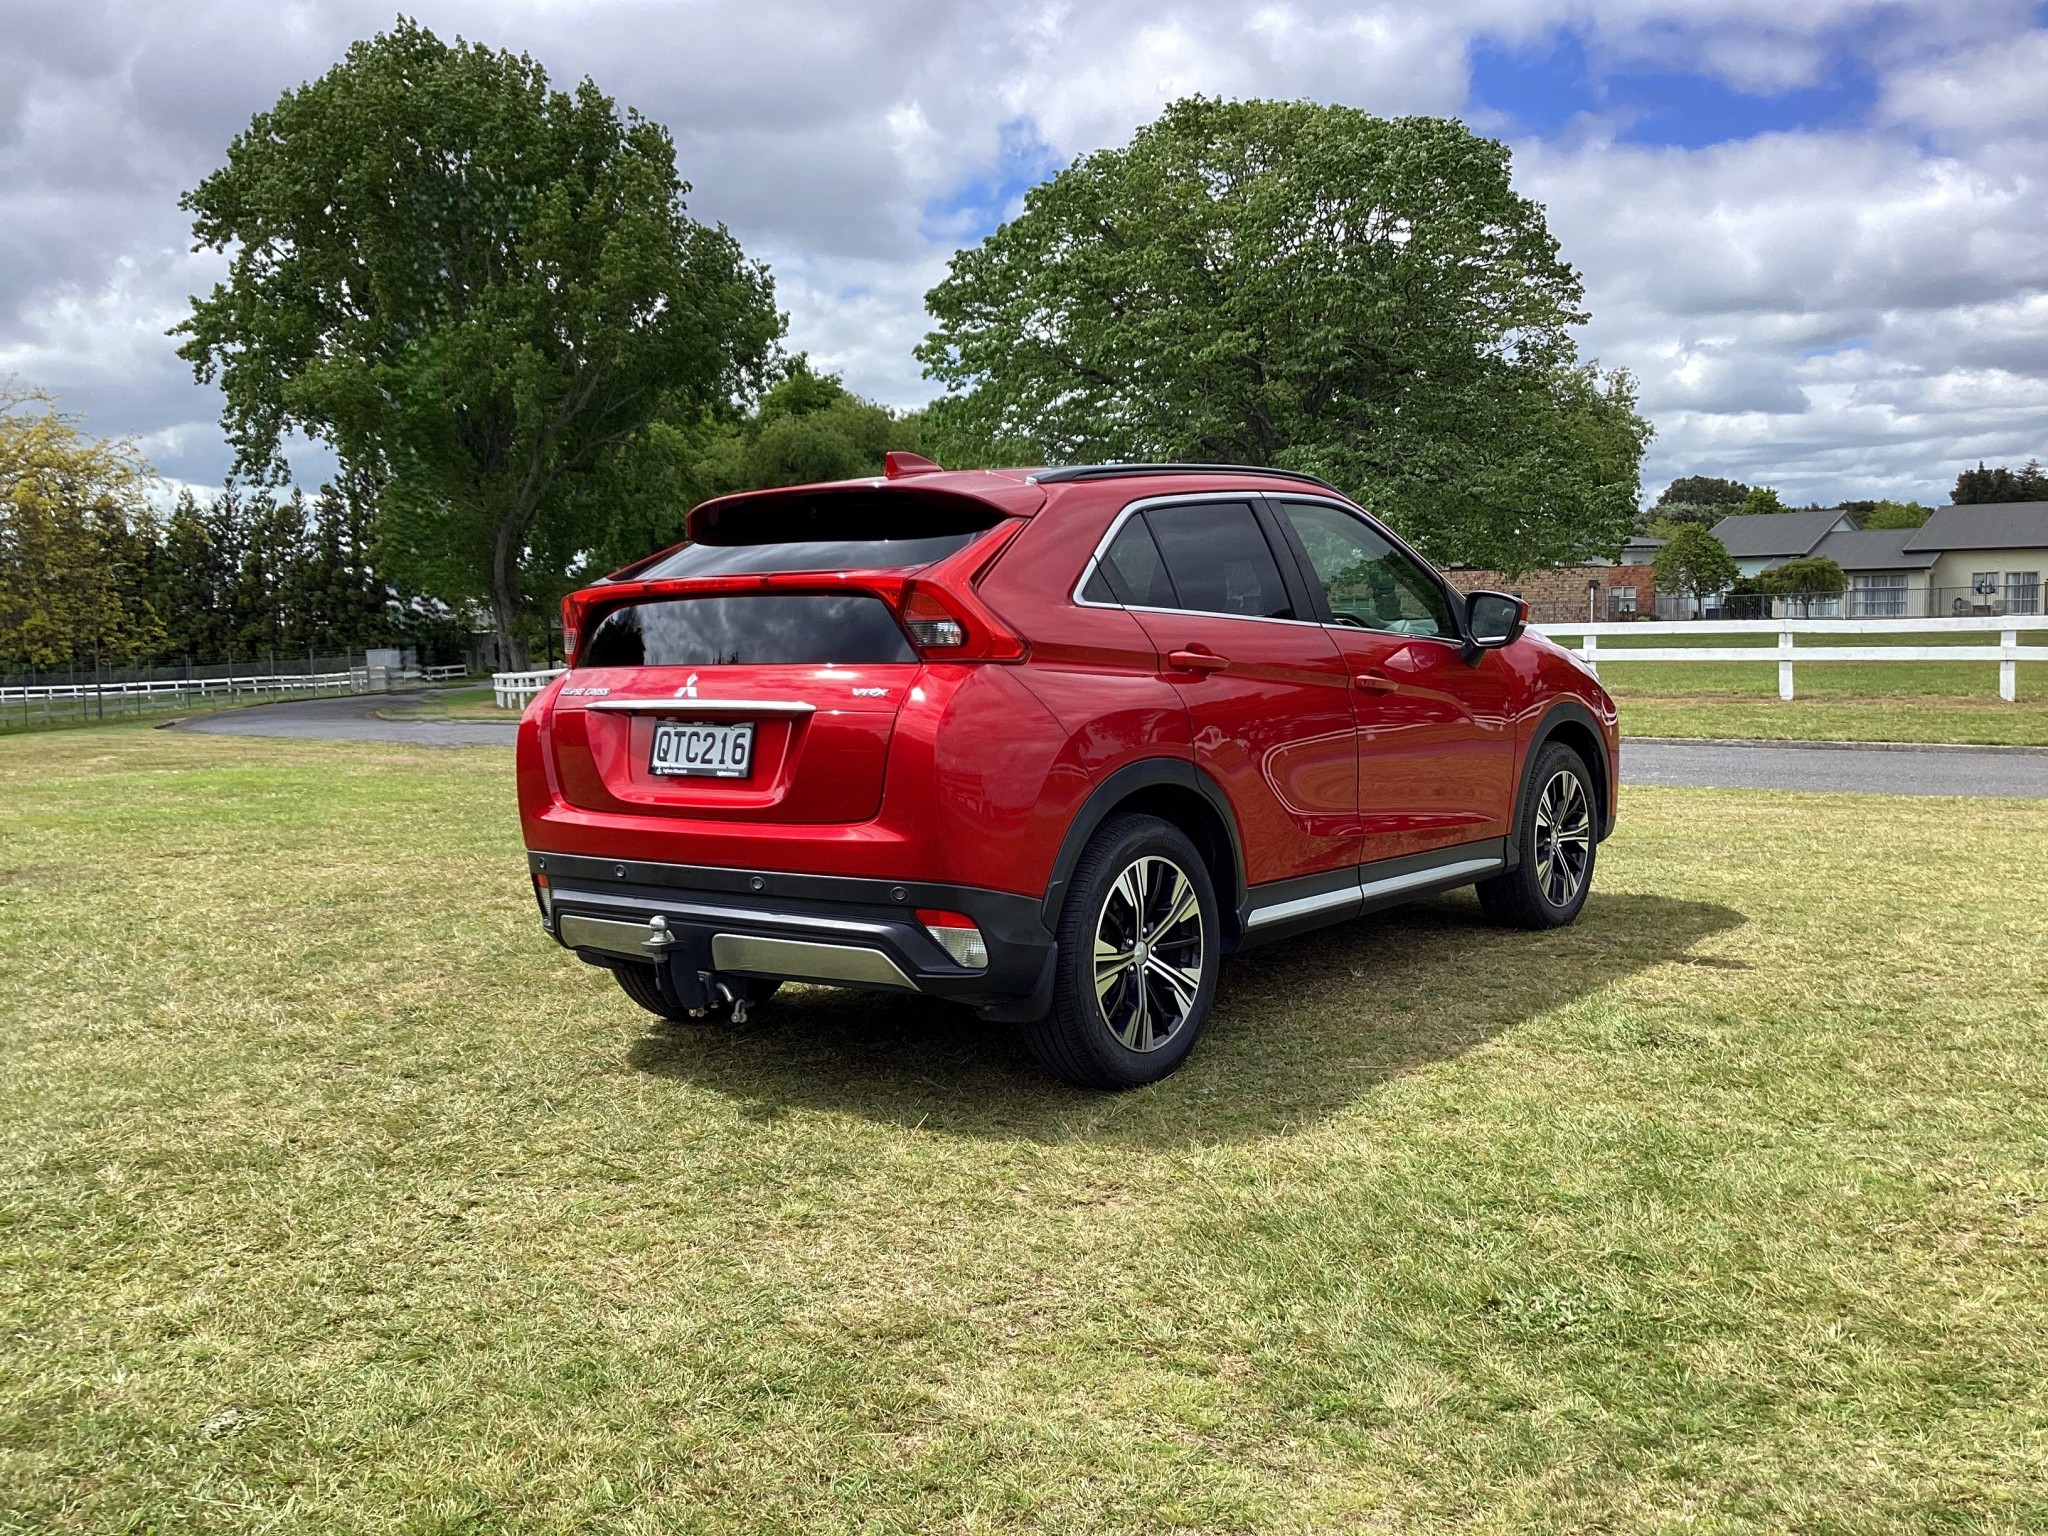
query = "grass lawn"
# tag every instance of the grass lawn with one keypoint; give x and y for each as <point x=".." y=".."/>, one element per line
<point x="334" y="1198"/>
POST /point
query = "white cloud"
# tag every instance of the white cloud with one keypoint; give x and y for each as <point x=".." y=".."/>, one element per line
<point x="1832" y="312"/>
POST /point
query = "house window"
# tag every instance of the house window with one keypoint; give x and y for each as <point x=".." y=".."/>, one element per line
<point x="1878" y="595"/>
<point x="2022" y="591"/>
<point x="1621" y="602"/>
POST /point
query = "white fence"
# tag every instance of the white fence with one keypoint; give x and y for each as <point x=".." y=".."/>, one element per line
<point x="78" y="697"/>
<point x="515" y="690"/>
<point x="2008" y="652"/>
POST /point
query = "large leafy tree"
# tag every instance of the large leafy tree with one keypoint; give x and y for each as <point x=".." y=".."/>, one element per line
<point x="1310" y="287"/>
<point x="483" y="291"/>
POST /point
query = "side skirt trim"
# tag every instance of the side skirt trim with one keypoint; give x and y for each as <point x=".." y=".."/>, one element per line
<point x="1368" y="885"/>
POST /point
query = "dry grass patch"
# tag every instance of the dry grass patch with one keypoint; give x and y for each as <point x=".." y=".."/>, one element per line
<point x="333" y="1198"/>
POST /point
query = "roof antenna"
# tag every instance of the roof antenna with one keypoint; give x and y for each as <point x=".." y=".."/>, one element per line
<point x="901" y="466"/>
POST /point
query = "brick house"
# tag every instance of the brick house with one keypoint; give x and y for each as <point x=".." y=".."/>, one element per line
<point x="1566" y="594"/>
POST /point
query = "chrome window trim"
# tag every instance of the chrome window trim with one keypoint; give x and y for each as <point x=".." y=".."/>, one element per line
<point x="1145" y="504"/>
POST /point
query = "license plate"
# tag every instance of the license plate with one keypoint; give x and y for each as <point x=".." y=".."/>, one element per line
<point x="686" y="750"/>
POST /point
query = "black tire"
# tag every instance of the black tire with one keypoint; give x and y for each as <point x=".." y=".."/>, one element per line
<point x="1108" y="1036"/>
<point x="1558" y="834"/>
<point x="637" y="982"/>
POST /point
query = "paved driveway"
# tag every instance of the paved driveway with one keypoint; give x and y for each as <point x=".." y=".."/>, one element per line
<point x="350" y="718"/>
<point x="1713" y="765"/>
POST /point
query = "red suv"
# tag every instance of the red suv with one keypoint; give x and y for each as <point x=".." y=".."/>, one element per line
<point x="1049" y="743"/>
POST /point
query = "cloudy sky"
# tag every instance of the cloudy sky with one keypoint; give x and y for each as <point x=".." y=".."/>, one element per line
<point x="1815" y="229"/>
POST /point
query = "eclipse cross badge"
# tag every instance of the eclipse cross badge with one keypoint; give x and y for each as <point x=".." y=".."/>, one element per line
<point x="689" y="688"/>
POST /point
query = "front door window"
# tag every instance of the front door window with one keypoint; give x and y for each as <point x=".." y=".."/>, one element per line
<point x="1435" y="747"/>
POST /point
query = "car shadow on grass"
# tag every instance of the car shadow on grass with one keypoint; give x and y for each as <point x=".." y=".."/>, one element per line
<point x="1301" y="1029"/>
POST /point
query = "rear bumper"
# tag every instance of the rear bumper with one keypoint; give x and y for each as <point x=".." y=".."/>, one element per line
<point x="842" y="931"/>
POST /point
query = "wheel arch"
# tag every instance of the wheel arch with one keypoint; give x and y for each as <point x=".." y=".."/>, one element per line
<point x="1177" y="792"/>
<point x="1574" y="725"/>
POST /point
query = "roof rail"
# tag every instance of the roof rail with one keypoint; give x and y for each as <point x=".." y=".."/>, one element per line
<point x="1109" y="471"/>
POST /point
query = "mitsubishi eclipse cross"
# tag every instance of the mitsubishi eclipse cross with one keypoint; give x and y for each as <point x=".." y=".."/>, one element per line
<point x="1047" y="743"/>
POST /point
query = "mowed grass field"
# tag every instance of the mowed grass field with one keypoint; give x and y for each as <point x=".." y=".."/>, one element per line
<point x="334" y="1198"/>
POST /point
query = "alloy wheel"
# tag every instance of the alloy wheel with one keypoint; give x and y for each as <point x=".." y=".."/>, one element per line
<point x="1148" y="953"/>
<point x="1564" y="838"/>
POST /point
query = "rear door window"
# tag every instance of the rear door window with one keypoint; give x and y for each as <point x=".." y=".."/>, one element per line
<point x="1219" y="560"/>
<point x="1132" y="571"/>
<point x="752" y="629"/>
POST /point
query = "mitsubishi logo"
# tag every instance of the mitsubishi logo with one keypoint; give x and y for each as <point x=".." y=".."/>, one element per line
<point x="689" y="688"/>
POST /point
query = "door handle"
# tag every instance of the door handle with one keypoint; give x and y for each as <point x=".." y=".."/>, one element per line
<point x="1197" y="661"/>
<point x="1375" y="682"/>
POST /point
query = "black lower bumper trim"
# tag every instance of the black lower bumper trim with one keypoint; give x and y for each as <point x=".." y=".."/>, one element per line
<point x="845" y="932"/>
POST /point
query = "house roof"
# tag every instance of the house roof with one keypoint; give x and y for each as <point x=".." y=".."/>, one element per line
<point x="1875" y="549"/>
<point x="2000" y="525"/>
<point x="1776" y="535"/>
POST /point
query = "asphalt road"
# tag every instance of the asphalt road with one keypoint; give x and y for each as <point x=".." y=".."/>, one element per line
<point x="1837" y="769"/>
<point x="1712" y="765"/>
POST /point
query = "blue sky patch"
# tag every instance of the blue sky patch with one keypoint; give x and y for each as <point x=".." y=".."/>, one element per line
<point x="972" y="211"/>
<point x="1544" y="86"/>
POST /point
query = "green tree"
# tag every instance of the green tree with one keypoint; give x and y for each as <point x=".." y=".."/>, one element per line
<point x="76" y="531"/>
<point x="198" y="559"/>
<point x="1305" y="286"/>
<point x="1812" y="576"/>
<point x="1703" y="491"/>
<point x="482" y="291"/>
<point x="1694" y="564"/>
<point x="1980" y="485"/>
<point x="1894" y="514"/>
<point x="1760" y="499"/>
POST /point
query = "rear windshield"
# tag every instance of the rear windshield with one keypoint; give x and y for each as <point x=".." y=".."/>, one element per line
<point x="819" y="555"/>
<point x="847" y="530"/>
<point x="753" y="629"/>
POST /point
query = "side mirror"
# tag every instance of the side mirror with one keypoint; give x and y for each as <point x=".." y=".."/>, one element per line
<point x="1492" y="620"/>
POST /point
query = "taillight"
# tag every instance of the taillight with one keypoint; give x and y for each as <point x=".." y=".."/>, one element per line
<point x="957" y="936"/>
<point x="931" y="624"/>
<point x="946" y="622"/>
<point x="572" y="624"/>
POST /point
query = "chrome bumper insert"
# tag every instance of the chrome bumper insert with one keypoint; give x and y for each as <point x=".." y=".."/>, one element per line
<point x="802" y="961"/>
<point x="795" y="959"/>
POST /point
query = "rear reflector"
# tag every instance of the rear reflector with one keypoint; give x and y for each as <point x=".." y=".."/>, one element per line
<point x="957" y="936"/>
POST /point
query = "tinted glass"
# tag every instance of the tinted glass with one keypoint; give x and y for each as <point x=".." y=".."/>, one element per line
<point x="1219" y="560"/>
<point x="821" y="555"/>
<point x="767" y="629"/>
<point x="1367" y="582"/>
<point x="1131" y="571"/>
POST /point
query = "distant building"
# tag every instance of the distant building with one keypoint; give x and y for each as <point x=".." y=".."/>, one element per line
<point x="1626" y="588"/>
<point x="1984" y="560"/>
<point x="1765" y="539"/>
<point x="1987" y="559"/>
